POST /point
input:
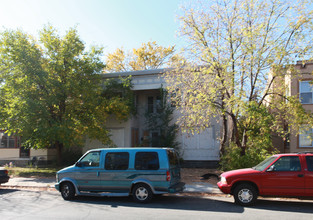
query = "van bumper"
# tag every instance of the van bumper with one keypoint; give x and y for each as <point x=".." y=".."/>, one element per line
<point x="178" y="187"/>
<point x="57" y="186"/>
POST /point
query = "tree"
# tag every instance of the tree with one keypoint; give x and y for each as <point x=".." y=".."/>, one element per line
<point x="238" y="50"/>
<point x="51" y="90"/>
<point x="149" y="56"/>
<point x="161" y="121"/>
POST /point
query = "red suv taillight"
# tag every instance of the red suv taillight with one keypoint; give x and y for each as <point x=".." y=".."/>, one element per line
<point x="6" y="172"/>
<point x="168" y="176"/>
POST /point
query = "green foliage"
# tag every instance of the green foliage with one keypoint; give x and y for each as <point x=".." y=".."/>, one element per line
<point x="256" y="127"/>
<point x="161" y="121"/>
<point x="232" y="159"/>
<point x="51" y="90"/>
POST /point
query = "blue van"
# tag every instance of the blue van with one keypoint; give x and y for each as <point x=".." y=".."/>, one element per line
<point x="140" y="172"/>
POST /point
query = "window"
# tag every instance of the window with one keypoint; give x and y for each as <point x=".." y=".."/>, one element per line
<point x="305" y="137"/>
<point x="309" y="162"/>
<point x="7" y="141"/>
<point x="117" y="161"/>
<point x="154" y="104"/>
<point x="306" y="90"/>
<point x="287" y="164"/>
<point x="147" y="161"/>
<point x="150" y="104"/>
<point x="92" y="159"/>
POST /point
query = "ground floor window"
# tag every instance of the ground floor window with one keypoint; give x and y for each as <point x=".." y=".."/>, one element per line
<point x="8" y="141"/>
<point x="305" y="137"/>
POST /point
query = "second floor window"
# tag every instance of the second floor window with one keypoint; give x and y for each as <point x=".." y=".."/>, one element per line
<point x="154" y="104"/>
<point x="306" y="92"/>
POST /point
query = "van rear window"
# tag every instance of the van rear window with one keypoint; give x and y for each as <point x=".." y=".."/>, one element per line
<point x="147" y="161"/>
<point x="117" y="161"/>
<point x="172" y="157"/>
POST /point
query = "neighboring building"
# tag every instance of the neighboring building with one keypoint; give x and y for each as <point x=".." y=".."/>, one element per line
<point x="11" y="151"/>
<point x="302" y="87"/>
<point x="196" y="150"/>
<point x="298" y="84"/>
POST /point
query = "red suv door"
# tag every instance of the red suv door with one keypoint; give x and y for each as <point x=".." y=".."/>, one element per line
<point x="309" y="176"/>
<point x="284" y="177"/>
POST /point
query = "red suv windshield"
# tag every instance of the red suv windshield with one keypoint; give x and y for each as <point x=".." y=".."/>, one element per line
<point x="265" y="163"/>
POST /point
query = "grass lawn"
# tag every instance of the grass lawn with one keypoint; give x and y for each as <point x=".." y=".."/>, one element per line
<point x="32" y="171"/>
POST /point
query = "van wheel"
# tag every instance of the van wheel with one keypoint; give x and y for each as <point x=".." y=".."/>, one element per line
<point x="67" y="191"/>
<point x="245" y="195"/>
<point x="142" y="193"/>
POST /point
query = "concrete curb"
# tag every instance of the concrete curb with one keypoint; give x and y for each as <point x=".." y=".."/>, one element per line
<point x="48" y="183"/>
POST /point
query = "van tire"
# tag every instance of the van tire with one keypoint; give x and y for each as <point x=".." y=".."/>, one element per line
<point x="142" y="193"/>
<point x="67" y="191"/>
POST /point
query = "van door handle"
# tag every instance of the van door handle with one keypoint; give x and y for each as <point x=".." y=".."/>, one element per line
<point x="300" y="175"/>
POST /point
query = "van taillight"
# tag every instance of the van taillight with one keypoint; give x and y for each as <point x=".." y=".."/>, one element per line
<point x="168" y="176"/>
<point x="6" y="172"/>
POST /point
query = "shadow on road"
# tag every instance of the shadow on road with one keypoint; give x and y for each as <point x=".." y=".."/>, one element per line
<point x="167" y="202"/>
<point x="213" y="204"/>
<point x="6" y="191"/>
<point x="302" y="206"/>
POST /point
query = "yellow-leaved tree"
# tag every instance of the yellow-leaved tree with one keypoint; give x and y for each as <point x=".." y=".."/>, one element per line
<point x="149" y="56"/>
<point x="238" y="50"/>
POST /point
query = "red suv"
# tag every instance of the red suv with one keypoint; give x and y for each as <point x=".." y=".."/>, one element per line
<point x="289" y="175"/>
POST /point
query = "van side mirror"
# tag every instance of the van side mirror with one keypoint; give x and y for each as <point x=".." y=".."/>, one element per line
<point x="271" y="168"/>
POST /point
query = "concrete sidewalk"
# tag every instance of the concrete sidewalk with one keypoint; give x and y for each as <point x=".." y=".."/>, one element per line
<point x="20" y="182"/>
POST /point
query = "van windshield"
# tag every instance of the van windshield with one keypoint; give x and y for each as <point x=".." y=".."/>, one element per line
<point x="173" y="158"/>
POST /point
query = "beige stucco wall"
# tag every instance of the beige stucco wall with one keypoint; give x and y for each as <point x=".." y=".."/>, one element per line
<point x="9" y="153"/>
<point x="43" y="154"/>
<point x="14" y="153"/>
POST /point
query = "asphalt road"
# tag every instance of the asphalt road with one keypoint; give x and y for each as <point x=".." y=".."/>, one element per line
<point x="23" y="204"/>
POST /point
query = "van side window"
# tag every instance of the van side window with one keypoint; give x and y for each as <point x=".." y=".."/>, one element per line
<point x="147" y="161"/>
<point x="92" y="159"/>
<point x="117" y="161"/>
<point x="309" y="162"/>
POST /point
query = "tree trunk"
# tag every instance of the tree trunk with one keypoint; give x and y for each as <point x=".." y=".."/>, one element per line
<point x="244" y="143"/>
<point x="235" y="133"/>
<point x="59" y="147"/>
<point x="224" y="136"/>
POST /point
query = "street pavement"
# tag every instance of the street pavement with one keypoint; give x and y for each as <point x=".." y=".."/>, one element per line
<point x="48" y="183"/>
